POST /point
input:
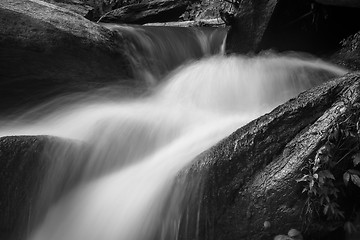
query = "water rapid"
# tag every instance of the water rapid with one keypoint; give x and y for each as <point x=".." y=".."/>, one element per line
<point x="126" y="153"/>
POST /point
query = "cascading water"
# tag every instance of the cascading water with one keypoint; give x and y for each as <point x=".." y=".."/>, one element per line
<point x="155" y="51"/>
<point x="135" y="147"/>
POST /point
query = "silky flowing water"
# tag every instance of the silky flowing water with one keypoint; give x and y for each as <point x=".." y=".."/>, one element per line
<point x="125" y="153"/>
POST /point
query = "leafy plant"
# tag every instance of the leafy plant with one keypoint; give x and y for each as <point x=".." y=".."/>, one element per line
<point x="333" y="174"/>
<point x="351" y="43"/>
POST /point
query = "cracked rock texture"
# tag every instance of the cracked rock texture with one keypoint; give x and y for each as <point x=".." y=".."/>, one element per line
<point x="250" y="177"/>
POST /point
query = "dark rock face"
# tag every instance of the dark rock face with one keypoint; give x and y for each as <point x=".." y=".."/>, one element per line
<point x="32" y="177"/>
<point x="310" y="27"/>
<point x="343" y="3"/>
<point x="250" y="177"/>
<point x="299" y="25"/>
<point x="46" y="50"/>
<point x="152" y="11"/>
<point x="100" y="7"/>
<point x="248" y="25"/>
<point x="22" y="169"/>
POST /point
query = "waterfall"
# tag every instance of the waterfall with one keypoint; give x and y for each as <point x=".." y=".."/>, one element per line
<point x="125" y="153"/>
<point x="154" y="51"/>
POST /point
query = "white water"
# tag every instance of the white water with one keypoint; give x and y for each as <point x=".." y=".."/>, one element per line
<point x="138" y="146"/>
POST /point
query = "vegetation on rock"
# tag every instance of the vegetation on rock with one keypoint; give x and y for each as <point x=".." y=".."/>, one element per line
<point x="332" y="177"/>
<point x="349" y="54"/>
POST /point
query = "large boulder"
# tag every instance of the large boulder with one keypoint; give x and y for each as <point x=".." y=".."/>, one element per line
<point x="46" y="50"/>
<point x="248" y="182"/>
<point x="147" y="12"/>
<point x="248" y="25"/>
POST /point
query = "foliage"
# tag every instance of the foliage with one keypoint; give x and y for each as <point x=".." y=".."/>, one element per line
<point x="352" y="43"/>
<point x="332" y="178"/>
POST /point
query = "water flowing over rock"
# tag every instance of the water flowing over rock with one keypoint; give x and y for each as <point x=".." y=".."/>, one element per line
<point x="22" y="170"/>
<point x="250" y="177"/>
<point x="112" y="175"/>
<point x="45" y="50"/>
<point x="158" y="50"/>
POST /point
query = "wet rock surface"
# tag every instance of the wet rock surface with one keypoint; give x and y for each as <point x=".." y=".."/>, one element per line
<point x="248" y="25"/>
<point x="46" y="50"/>
<point x="250" y="177"/>
<point x="152" y="11"/>
<point x="22" y="168"/>
<point x="32" y="177"/>
<point x="76" y="6"/>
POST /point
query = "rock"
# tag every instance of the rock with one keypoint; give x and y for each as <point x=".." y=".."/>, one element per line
<point x="90" y="9"/>
<point x="46" y="50"/>
<point x="290" y="26"/>
<point x="101" y="7"/>
<point x="250" y="177"/>
<point x="32" y="178"/>
<point x="349" y="54"/>
<point x="154" y="11"/>
<point x="282" y="237"/>
<point x="76" y="6"/>
<point x="22" y="169"/>
<point x="248" y="25"/>
<point x="295" y="234"/>
<point x="309" y="27"/>
<point x="343" y="3"/>
<point x="267" y="224"/>
<point x="195" y="23"/>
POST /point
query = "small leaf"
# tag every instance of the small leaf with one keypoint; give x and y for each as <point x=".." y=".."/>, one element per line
<point x="356" y="159"/>
<point x="340" y="214"/>
<point x="349" y="227"/>
<point x="356" y="180"/>
<point x="354" y="172"/>
<point x="327" y="174"/>
<point x="305" y="178"/>
<point x="335" y="192"/>
<point x="326" y="208"/>
<point x="311" y="184"/>
<point x="316" y="166"/>
<point x="332" y="209"/>
<point x="346" y="178"/>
